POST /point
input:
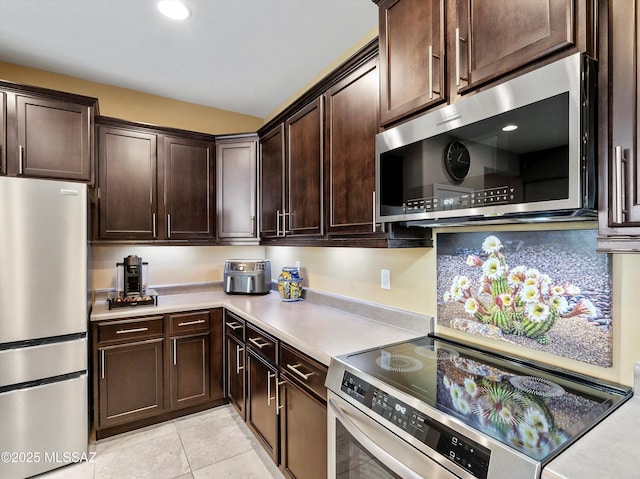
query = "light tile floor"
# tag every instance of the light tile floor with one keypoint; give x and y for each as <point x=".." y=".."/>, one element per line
<point x="210" y="444"/>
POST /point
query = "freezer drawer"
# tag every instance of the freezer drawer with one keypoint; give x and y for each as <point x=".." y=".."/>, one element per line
<point x="43" y="427"/>
<point x="20" y="365"/>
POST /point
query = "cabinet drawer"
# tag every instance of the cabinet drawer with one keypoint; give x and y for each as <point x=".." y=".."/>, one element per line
<point x="187" y="322"/>
<point x="304" y="370"/>
<point x="265" y="345"/>
<point x="129" y="329"/>
<point x="234" y="325"/>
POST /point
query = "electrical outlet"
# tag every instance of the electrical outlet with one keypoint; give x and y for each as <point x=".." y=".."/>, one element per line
<point x="385" y="279"/>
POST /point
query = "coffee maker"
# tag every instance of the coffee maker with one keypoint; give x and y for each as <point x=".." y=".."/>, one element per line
<point x="134" y="276"/>
<point x="131" y="284"/>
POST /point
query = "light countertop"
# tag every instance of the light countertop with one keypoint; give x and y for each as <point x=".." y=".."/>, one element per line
<point x="318" y="331"/>
<point x="610" y="450"/>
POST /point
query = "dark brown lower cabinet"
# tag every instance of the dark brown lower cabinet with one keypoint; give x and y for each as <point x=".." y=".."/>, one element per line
<point x="303" y="441"/>
<point x="152" y="368"/>
<point x="131" y="381"/>
<point x="190" y="370"/>
<point x="236" y="374"/>
<point x="262" y="400"/>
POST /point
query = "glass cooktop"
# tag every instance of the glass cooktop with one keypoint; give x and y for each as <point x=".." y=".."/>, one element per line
<point x="535" y="411"/>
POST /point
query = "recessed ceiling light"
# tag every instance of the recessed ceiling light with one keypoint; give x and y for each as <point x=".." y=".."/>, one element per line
<point x="509" y="127"/>
<point x="174" y="9"/>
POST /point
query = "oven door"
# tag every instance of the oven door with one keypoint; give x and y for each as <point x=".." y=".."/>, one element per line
<point x="359" y="448"/>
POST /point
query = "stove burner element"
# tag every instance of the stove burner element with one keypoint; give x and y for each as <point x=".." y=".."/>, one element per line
<point x="398" y="363"/>
<point x="443" y="354"/>
<point x="537" y="386"/>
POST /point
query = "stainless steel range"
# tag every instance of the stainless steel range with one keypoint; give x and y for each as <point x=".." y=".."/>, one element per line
<point x="464" y="412"/>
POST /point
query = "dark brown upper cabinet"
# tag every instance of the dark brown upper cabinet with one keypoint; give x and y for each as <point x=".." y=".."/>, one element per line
<point x="412" y="46"/>
<point x="272" y="176"/>
<point x="432" y="51"/>
<point x="236" y="173"/>
<point x="154" y="184"/>
<point x="127" y="189"/>
<point x="188" y="189"/>
<point x="619" y="194"/>
<point x="304" y="153"/>
<point x="46" y="134"/>
<point x="494" y="38"/>
<point x="351" y="127"/>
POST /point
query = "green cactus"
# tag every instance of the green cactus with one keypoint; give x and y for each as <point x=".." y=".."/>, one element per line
<point x="499" y="286"/>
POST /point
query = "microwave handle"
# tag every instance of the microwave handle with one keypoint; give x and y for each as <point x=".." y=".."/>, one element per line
<point x="617" y="161"/>
<point x="377" y="451"/>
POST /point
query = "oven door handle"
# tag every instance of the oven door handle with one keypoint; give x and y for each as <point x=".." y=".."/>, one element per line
<point x="369" y="444"/>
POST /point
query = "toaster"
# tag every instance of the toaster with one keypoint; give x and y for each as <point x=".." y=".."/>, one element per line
<point x="247" y="276"/>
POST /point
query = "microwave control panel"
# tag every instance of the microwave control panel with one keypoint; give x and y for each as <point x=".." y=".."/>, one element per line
<point x="462" y="451"/>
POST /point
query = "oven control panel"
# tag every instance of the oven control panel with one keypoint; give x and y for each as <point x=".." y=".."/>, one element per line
<point x="465" y="453"/>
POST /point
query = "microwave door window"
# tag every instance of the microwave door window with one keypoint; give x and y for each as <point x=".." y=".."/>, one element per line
<point x="520" y="156"/>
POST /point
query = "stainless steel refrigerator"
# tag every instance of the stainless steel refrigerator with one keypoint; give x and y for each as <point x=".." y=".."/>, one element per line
<point x="43" y="325"/>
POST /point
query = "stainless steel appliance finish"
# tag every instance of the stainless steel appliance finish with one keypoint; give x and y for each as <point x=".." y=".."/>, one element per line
<point x="43" y="325"/>
<point x="456" y="164"/>
<point x="247" y="276"/>
<point x="466" y="413"/>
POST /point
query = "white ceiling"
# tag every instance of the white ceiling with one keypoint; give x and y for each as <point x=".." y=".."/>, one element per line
<point x="247" y="56"/>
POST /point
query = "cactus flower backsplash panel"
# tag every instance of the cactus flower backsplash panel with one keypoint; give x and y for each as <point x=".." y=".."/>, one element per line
<point x="545" y="290"/>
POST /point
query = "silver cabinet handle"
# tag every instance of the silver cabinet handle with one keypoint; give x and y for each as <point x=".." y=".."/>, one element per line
<point x="169" y="225"/>
<point x="430" y="71"/>
<point x="102" y="360"/>
<point x="175" y="348"/>
<point x="238" y="350"/>
<point x="20" y="160"/>
<point x="270" y="375"/>
<point x="253" y="225"/>
<point x="258" y="344"/>
<point x="278" y="405"/>
<point x="294" y="368"/>
<point x="458" y="56"/>
<point x="373" y="219"/>
<point x="278" y="223"/>
<point x="133" y="330"/>
<point x="189" y="323"/>
<point x="235" y="325"/>
<point x="376" y="451"/>
<point x="617" y="210"/>
<point x="153" y="217"/>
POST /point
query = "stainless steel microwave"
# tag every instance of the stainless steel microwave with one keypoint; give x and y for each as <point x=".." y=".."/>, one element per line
<point x="521" y="150"/>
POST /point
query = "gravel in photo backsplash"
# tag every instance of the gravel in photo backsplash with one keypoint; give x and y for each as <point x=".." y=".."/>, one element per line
<point x="544" y="290"/>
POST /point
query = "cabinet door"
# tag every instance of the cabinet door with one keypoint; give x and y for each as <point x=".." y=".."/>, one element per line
<point x="236" y="375"/>
<point x="352" y="124"/>
<point x="304" y="169"/>
<point x="131" y="381"/>
<point x="262" y="409"/>
<point x="3" y="133"/>
<point x="272" y="167"/>
<point x="303" y="417"/>
<point x="188" y="189"/>
<point x="127" y="205"/>
<point x="620" y="208"/>
<point x="236" y="189"/>
<point x="412" y="56"/>
<point x="53" y="139"/>
<point x="494" y="37"/>
<point x="190" y="372"/>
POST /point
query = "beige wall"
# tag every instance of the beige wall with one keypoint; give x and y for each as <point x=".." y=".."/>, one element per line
<point x="136" y="106"/>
